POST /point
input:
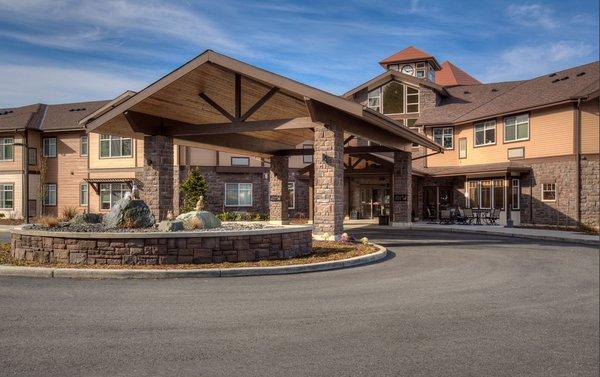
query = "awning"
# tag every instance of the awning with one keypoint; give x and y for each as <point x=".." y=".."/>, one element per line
<point x="95" y="182"/>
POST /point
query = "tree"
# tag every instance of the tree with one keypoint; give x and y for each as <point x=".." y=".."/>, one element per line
<point x="193" y="187"/>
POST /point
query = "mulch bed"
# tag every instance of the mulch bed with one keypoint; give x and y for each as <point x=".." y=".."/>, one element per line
<point x="323" y="251"/>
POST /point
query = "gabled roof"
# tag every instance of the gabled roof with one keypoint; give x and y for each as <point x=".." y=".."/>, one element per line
<point x="61" y="117"/>
<point x="451" y="75"/>
<point x="468" y="103"/>
<point x="390" y="75"/>
<point x="410" y="54"/>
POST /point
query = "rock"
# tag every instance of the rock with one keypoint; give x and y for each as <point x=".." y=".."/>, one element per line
<point x="199" y="220"/>
<point x="86" y="218"/>
<point x="129" y="213"/>
<point x="170" y="225"/>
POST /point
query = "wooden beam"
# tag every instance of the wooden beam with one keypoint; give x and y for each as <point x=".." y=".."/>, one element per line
<point x="306" y="169"/>
<point x="262" y="147"/>
<point x="259" y="104"/>
<point x="347" y="150"/>
<point x="144" y="123"/>
<point x="356" y="163"/>
<point x="180" y="129"/>
<point x="348" y="139"/>
<point x="238" y="97"/>
<point x="217" y="107"/>
<point x="375" y="159"/>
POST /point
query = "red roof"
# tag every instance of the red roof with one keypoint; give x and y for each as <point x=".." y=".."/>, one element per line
<point x="411" y="53"/>
<point x="451" y="75"/>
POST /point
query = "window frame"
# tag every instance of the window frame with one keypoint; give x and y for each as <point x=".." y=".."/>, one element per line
<point x="379" y="106"/>
<point x="518" y="192"/>
<point x="3" y="191"/>
<point x="110" y="142"/>
<point x="32" y="161"/>
<point x="484" y="124"/>
<point x="307" y="158"/>
<point x="378" y="93"/>
<point x="553" y="190"/>
<point x="460" y="140"/>
<point x="238" y="194"/>
<point x="110" y="193"/>
<point x="443" y="136"/>
<point x="46" y="200"/>
<point x="247" y="159"/>
<point x="503" y="192"/>
<point x="292" y="195"/>
<point x="46" y="143"/>
<point x="87" y="194"/>
<point x="4" y="145"/>
<point x="83" y="153"/>
<point x="516" y="128"/>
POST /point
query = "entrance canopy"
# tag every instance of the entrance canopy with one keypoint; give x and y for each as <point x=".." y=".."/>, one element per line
<point x="216" y="102"/>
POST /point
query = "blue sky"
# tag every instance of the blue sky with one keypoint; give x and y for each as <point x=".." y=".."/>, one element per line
<point x="64" y="50"/>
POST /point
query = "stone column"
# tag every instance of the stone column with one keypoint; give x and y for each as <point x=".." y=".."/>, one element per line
<point x="402" y="188"/>
<point x="278" y="190"/>
<point x="329" y="180"/>
<point x="157" y="175"/>
<point x="311" y="197"/>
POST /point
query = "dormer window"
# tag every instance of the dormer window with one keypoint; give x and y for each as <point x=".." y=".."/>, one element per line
<point x="374" y="100"/>
<point x="394" y="67"/>
<point x="394" y="98"/>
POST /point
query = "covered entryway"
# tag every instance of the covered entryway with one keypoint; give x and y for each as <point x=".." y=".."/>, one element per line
<point x="215" y="102"/>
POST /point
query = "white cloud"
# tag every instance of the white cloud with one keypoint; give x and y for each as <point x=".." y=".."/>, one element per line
<point x="525" y="62"/>
<point x="26" y="84"/>
<point x="533" y="15"/>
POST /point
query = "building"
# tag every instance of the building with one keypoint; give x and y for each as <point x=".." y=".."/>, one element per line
<point x="528" y="149"/>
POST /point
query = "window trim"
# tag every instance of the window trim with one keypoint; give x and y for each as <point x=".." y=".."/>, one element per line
<point x="443" y="128"/>
<point x="110" y="147"/>
<point x="29" y="149"/>
<point x="2" y="208"/>
<point x="518" y="187"/>
<point x="46" y="196"/>
<point x="305" y="156"/>
<point x="543" y="191"/>
<point x="3" y="145"/>
<point x="528" y="128"/>
<point x="87" y="145"/>
<point x="247" y="159"/>
<point x="514" y="158"/>
<point x="479" y="189"/>
<point x="238" y="194"/>
<point x="380" y="89"/>
<point x="109" y="196"/>
<point x="484" y="124"/>
<point x="47" y="139"/>
<point x="87" y="194"/>
<point x="460" y="148"/>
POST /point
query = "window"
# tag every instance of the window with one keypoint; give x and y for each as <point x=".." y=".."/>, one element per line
<point x="394" y="67"/>
<point x="420" y="73"/>
<point x="431" y="75"/>
<point x="292" y="192"/>
<point x="110" y="193"/>
<point x="498" y="193"/>
<point x="393" y="98"/>
<point x="516" y="128"/>
<point x="486" y="194"/>
<point x="6" y="148"/>
<point x="32" y="156"/>
<point x="412" y="99"/>
<point x="307" y="158"/>
<point x="115" y="146"/>
<point x="83" y="194"/>
<point x="548" y="192"/>
<point x="485" y="133"/>
<point x="240" y="161"/>
<point x="83" y="146"/>
<point x="238" y="194"/>
<point x="374" y="100"/>
<point x="473" y="194"/>
<point x="50" y="194"/>
<point x="462" y="147"/>
<point x="516" y="194"/>
<point x="49" y="147"/>
<point x="444" y="137"/>
<point x="7" y="195"/>
<point x="514" y="153"/>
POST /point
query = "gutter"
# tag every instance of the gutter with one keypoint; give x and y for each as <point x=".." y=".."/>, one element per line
<point x="577" y="153"/>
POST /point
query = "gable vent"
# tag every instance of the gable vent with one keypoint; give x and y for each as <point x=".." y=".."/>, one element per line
<point x="580" y="74"/>
<point x="466" y="92"/>
<point x="564" y="78"/>
<point x="78" y="109"/>
<point x="494" y="90"/>
<point x="552" y="75"/>
<point x="555" y="80"/>
<point x="6" y="112"/>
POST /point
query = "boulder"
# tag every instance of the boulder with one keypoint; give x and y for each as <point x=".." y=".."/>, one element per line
<point x="129" y="213"/>
<point x="199" y="220"/>
<point x="170" y="225"/>
<point x="86" y="218"/>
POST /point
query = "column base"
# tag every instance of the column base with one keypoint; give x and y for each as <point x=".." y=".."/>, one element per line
<point x="327" y="237"/>
<point x="279" y="222"/>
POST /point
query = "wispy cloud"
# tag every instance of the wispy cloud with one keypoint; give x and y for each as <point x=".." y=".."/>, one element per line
<point x="533" y="15"/>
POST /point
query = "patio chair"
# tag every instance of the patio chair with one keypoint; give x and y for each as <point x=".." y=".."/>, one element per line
<point x="460" y="216"/>
<point x="493" y="217"/>
<point x="431" y="218"/>
<point x="469" y="216"/>
<point x="445" y="216"/>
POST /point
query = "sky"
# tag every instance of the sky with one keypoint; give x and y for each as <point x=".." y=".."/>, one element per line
<point x="58" y="51"/>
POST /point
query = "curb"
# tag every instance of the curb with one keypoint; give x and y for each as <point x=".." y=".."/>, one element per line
<point x="93" y="273"/>
<point x="505" y="234"/>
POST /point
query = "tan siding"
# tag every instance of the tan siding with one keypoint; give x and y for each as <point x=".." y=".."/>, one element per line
<point x="17" y="180"/>
<point x="96" y="162"/>
<point x="590" y="128"/>
<point x="17" y="162"/>
<point x="202" y="157"/>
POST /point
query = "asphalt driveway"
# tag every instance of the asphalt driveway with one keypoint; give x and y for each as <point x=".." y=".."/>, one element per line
<point x="441" y="305"/>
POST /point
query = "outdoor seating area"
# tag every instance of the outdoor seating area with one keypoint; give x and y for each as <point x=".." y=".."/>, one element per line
<point x="464" y="216"/>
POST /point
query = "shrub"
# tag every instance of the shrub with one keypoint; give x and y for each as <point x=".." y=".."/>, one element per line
<point x="46" y="221"/>
<point x="242" y="216"/>
<point x="2" y="215"/>
<point x="68" y="213"/>
<point x="193" y="187"/>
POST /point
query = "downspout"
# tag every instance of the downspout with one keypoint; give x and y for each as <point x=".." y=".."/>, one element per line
<point x="577" y="147"/>
<point x="25" y="194"/>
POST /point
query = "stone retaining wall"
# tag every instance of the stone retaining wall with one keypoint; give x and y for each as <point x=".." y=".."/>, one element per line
<point x="154" y="249"/>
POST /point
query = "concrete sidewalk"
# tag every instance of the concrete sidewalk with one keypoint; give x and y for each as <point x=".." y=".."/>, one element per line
<point x="537" y="234"/>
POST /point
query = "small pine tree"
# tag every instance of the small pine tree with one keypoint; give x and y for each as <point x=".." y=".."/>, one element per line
<point x="193" y="187"/>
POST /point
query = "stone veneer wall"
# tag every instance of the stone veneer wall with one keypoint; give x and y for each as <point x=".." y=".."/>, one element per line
<point x="157" y="175"/>
<point x="402" y="185"/>
<point x="156" y="250"/>
<point x="590" y="195"/>
<point x="278" y="189"/>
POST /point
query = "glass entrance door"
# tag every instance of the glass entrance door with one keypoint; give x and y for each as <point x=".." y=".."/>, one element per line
<point x="374" y="201"/>
<point x="366" y="202"/>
